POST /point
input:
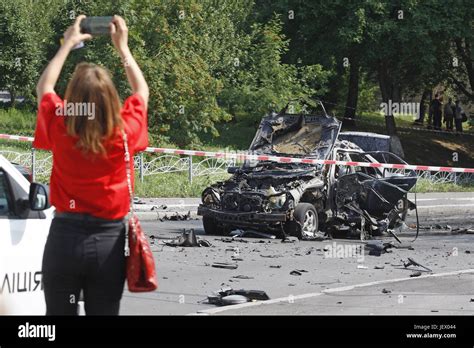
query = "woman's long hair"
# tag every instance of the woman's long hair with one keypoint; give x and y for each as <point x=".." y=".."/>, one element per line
<point x="91" y="87"/>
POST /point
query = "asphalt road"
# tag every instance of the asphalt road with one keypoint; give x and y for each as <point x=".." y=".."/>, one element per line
<point x="349" y="283"/>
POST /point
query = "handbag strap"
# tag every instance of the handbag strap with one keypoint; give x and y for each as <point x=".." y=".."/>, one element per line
<point x="130" y="193"/>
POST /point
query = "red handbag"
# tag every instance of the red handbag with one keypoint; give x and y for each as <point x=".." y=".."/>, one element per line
<point x="141" y="274"/>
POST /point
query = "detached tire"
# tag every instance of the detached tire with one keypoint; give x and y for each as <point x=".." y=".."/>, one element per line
<point x="211" y="227"/>
<point x="305" y="224"/>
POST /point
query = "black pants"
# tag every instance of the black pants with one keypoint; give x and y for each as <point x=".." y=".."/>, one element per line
<point x="88" y="255"/>
<point x="449" y="123"/>
<point x="458" y="123"/>
<point x="437" y="120"/>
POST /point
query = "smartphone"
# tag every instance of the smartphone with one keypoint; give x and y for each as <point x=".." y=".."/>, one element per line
<point x="96" y="25"/>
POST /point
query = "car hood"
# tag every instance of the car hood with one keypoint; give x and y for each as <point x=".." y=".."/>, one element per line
<point x="298" y="135"/>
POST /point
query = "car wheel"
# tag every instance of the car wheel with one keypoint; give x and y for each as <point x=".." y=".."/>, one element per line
<point x="305" y="223"/>
<point x="211" y="227"/>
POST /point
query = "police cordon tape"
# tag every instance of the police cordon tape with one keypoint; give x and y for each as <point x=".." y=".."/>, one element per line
<point x="280" y="159"/>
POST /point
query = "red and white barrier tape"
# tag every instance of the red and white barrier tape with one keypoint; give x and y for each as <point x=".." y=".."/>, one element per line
<point x="279" y="159"/>
<point x="16" y="137"/>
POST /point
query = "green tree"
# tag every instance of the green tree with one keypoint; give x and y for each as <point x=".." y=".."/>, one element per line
<point x="24" y="31"/>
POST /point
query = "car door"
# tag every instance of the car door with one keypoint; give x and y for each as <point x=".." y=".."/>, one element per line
<point x="22" y="240"/>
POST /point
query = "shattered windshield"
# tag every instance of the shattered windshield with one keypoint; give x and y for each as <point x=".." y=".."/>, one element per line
<point x="296" y="135"/>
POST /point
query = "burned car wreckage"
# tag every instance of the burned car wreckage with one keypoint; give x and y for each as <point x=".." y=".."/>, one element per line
<point x="301" y="199"/>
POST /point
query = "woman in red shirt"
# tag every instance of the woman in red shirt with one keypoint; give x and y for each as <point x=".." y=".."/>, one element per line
<point x="85" y="246"/>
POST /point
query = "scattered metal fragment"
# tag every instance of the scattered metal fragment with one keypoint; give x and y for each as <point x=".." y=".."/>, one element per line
<point x="240" y="276"/>
<point x="137" y="200"/>
<point x="225" y="265"/>
<point x="163" y="206"/>
<point x="176" y="217"/>
<point x="298" y="272"/>
<point x="188" y="239"/>
<point x="412" y="262"/>
<point x="251" y="233"/>
<point x="404" y="246"/>
<point x="327" y="283"/>
<point x="232" y="239"/>
<point x="378" y="247"/>
<point x="273" y="256"/>
<point x="233" y="300"/>
<point x="395" y="236"/>
<point x="251" y="295"/>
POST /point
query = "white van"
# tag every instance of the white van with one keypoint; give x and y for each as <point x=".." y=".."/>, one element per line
<point x="25" y="217"/>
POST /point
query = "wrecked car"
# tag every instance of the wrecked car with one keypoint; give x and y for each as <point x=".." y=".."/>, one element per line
<point x="301" y="199"/>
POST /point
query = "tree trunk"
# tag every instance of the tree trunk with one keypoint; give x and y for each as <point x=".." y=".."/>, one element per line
<point x="389" y="92"/>
<point x="352" y="93"/>
<point x="465" y="53"/>
<point x="424" y="97"/>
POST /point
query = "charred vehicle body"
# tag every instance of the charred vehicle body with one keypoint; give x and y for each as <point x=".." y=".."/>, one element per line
<point x="301" y="199"/>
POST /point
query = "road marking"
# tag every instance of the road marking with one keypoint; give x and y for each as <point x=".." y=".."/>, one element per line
<point x="315" y="294"/>
<point x="445" y="199"/>
<point x="444" y="205"/>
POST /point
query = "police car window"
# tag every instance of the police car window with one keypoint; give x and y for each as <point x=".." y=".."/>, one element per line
<point x="4" y="195"/>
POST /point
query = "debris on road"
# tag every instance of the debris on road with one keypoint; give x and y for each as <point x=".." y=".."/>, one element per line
<point x="404" y="246"/>
<point x="233" y="300"/>
<point x="188" y="239"/>
<point x="412" y="262"/>
<point x="378" y="247"/>
<point x="232" y="239"/>
<point x="225" y="265"/>
<point x="251" y="233"/>
<point x="176" y="217"/>
<point x="137" y="200"/>
<point x="298" y="272"/>
<point x="218" y="297"/>
<point x="271" y="256"/>
<point x="240" y="276"/>
<point x="395" y="236"/>
<point x="461" y="230"/>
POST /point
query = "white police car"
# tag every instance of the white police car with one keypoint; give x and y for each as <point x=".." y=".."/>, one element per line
<point x="25" y="217"/>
